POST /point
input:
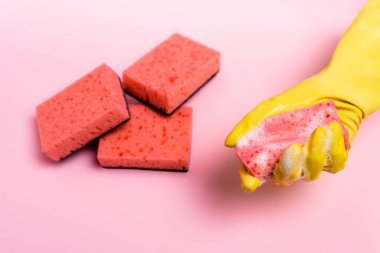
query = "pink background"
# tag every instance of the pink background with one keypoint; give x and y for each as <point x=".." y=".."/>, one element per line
<point x="77" y="206"/>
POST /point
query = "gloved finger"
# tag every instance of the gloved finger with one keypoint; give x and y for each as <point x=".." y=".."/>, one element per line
<point x="289" y="168"/>
<point x="249" y="182"/>
<point x="315" y="153"/>
<point x="337" y="153"/>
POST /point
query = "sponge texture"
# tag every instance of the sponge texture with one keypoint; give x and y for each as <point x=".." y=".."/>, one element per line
<point x="82" y="112"/>
<point x="149" y="140"/>
<point x="261" y="148"/>
<point x="169" y="74"/>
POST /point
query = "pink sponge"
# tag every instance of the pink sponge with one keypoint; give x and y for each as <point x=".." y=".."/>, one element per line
<point x="82" y="112"/>
<point x="149" y="140"/>
<point x="169" y="74"/>
<point x="260" y="149"/>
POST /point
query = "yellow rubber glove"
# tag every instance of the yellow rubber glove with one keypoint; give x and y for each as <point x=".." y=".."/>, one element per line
<point x="351" y="79"/>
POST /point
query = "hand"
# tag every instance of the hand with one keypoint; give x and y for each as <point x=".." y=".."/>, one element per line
<point x="351" y="80"/>
<point x="324" y="150"/>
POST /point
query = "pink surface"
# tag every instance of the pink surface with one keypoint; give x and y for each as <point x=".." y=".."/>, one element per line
<point x="80" y="113"/>
<point x="77" y="206"/>
<point x="260" y="149"/>
<point x="171" y="72"/>
<point x="149" y="140"/>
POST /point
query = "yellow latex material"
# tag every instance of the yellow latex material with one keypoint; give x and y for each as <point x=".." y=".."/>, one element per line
<point x="248" y="182"/>
<point x="351" y="79"/>
<point x="323" y="150"/>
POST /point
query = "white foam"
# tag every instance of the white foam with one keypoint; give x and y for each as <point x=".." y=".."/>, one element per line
<point x="251" y="135"/>
<point x="261" y="159"/>
<point x="287" y="162"/>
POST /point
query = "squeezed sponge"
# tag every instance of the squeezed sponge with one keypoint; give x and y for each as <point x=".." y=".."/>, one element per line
<point x="260" y="149"/>
<point x="149" y="140"/>
<point x="81" y="112"/>
<point x="169" y="74"/>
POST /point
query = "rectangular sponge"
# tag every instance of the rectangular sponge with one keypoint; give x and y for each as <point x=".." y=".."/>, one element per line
<point x="149" y="140"/>
<point x="81" y="112"/>
<point x="169" y="74"/>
